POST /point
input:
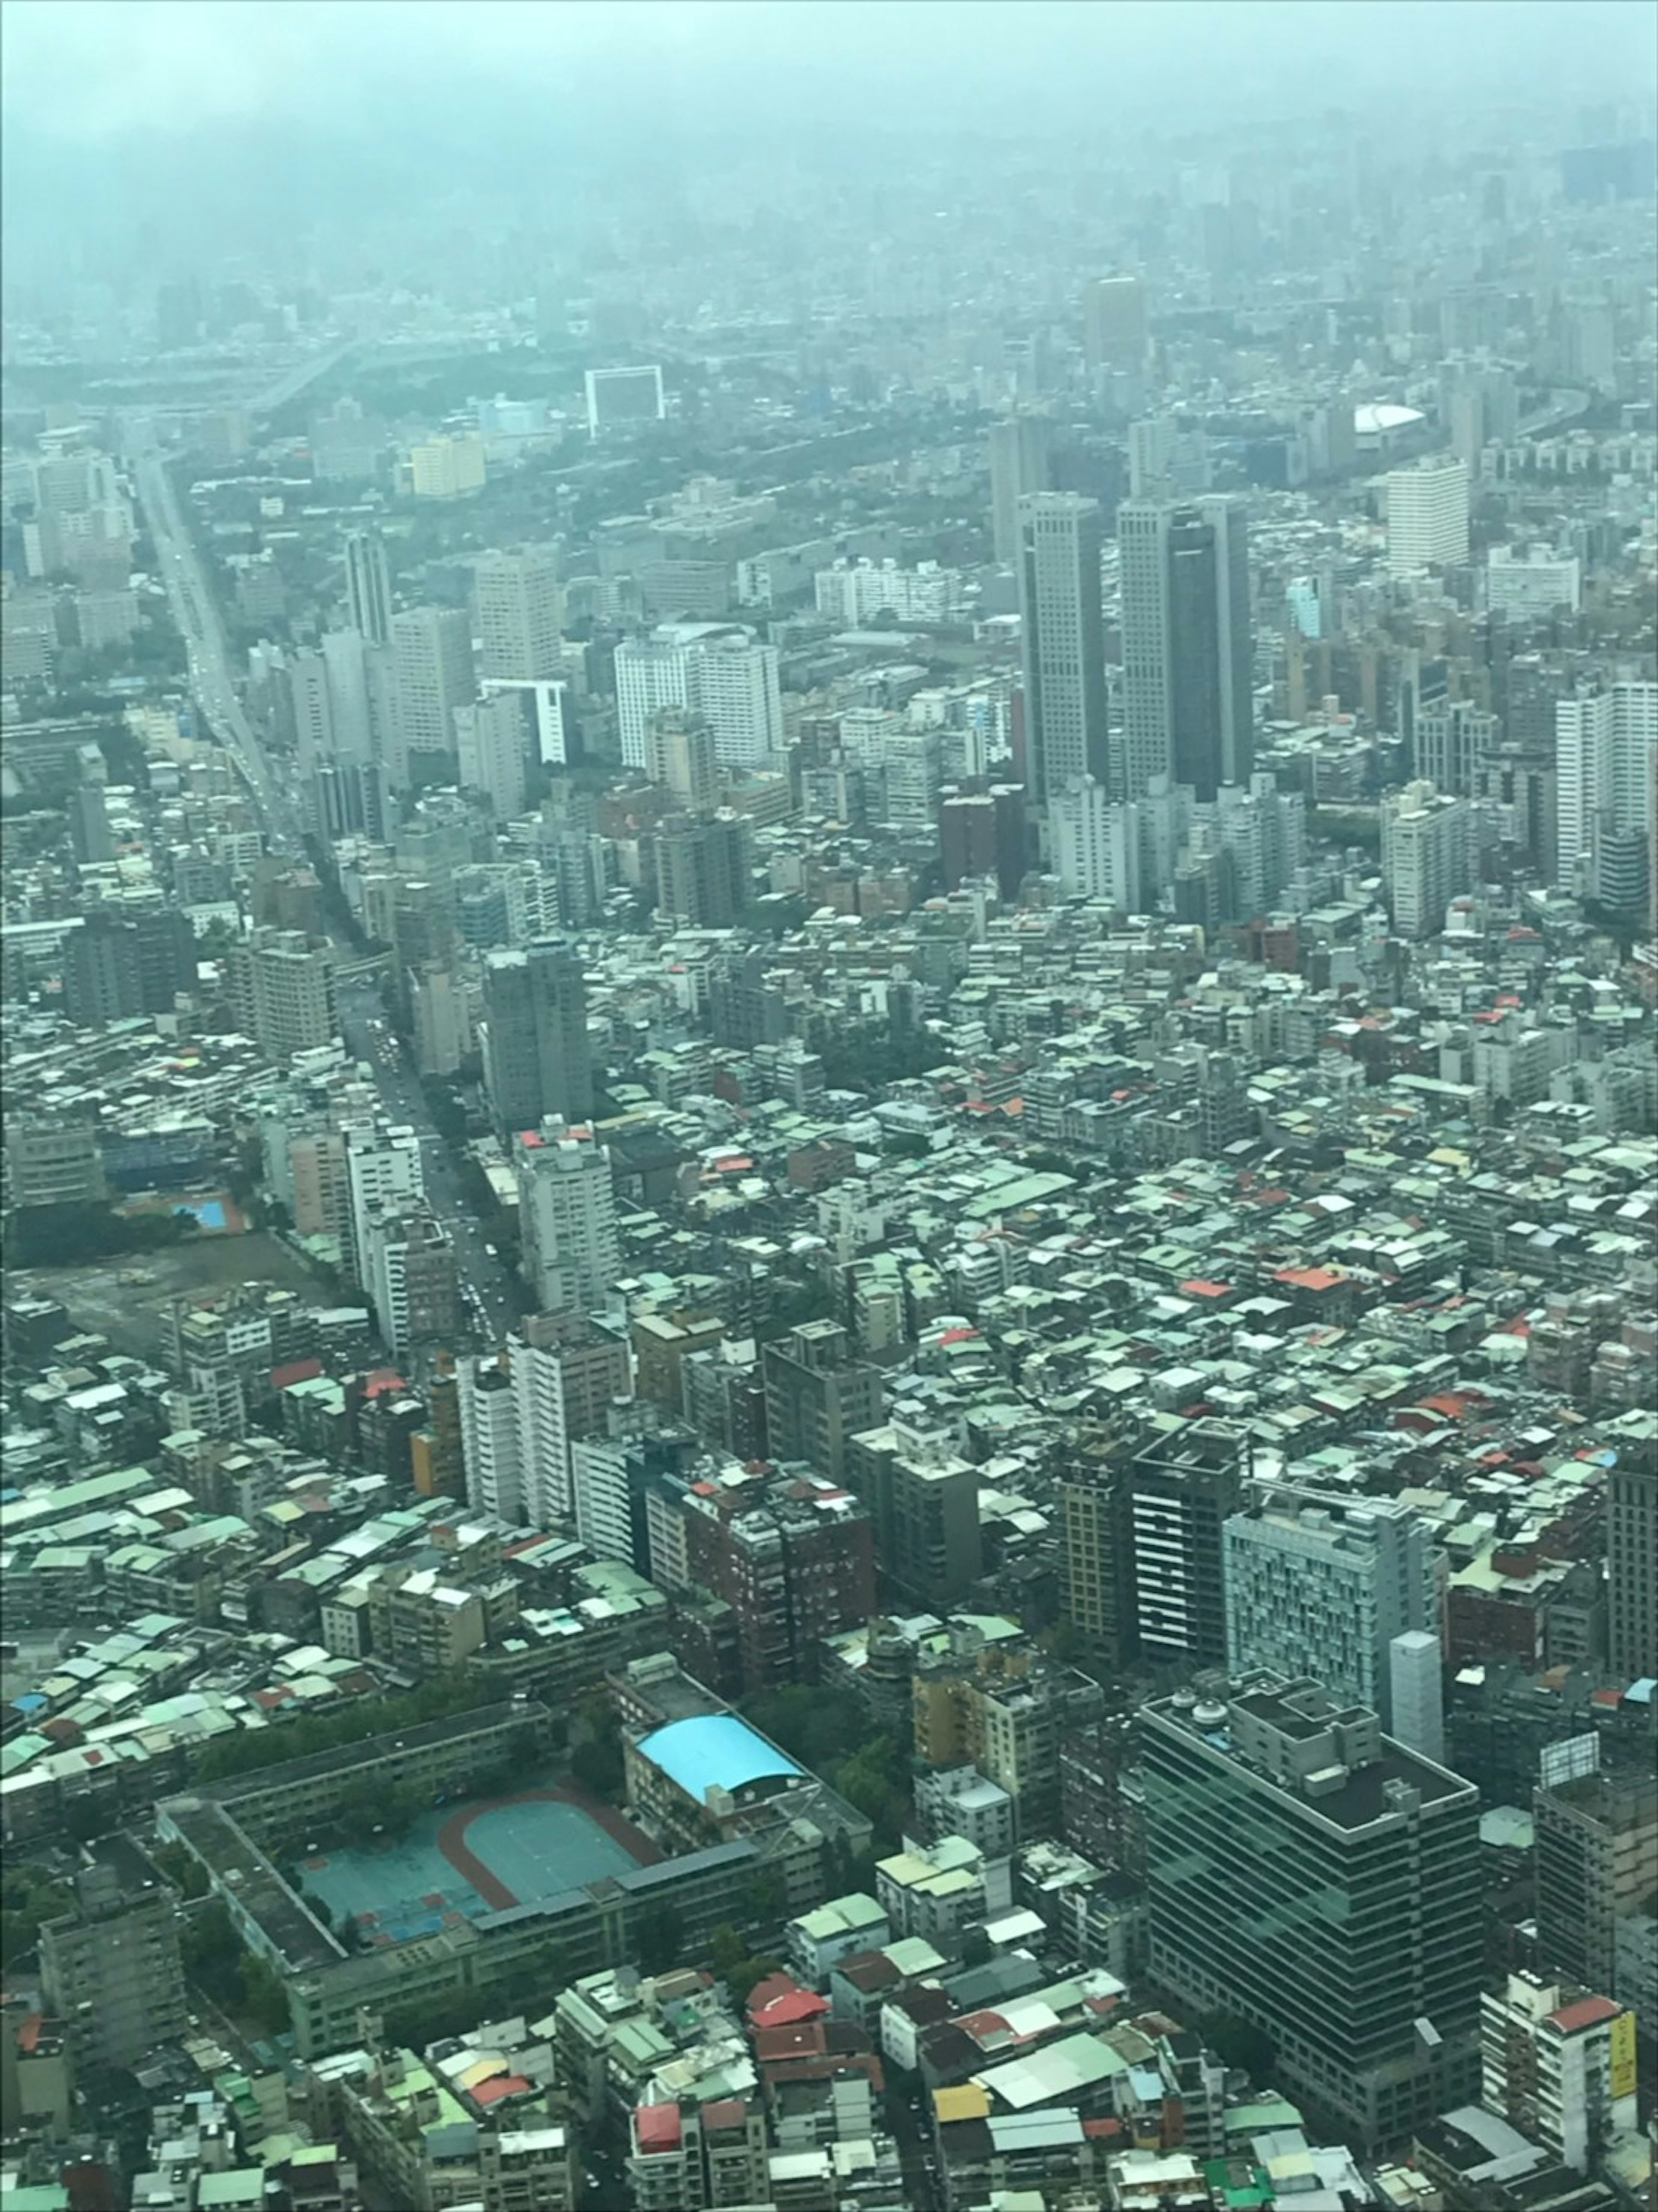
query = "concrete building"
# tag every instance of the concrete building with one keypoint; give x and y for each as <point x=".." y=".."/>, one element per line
<point x="679" y="752"/>
<point x="409" y="1270"/>
<point x="1597" y="1864"/>
<point x="383" y="1171"/>
<point x="1188" y="678"/>
<point x="432" y="653"/>
<point x="1452" y="737"/>
<point x="369" y="587"/>
<point x="1066" y="703"/>
<point x="110" y="1969"/>
<point x="702" y="869"/>
<point x="1277" y="1811"/>
<point x="1633" y="1563"/>
<point x="552" y="1386"/>
<point x="128" y="959"/>
<point x="1529" y="585"/>
<point x="1323" y="1584"/>
<point x="1021" y="464"/>
<point x="568" y="1217"/>
<point x="1559" y="2063"/>
<point x="447" y="467"/>
<point x="1427" y="856"/>
<point x="536" y="1060"/>
<point x="1183" y="1489"/>
<point x="282" y="987"/>
<point x="1427" y="516"/>
<point x="520" y="614"/>
<point x="493" y="742"/>
<point x="818" y="1396"/>
<point x="924" y="1499"/>
<point x="1116" y="327"/>
<point x="1605" y="748"/>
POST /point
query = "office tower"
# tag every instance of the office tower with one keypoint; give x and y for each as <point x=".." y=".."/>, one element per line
<point x="1597" y="1866"/>
<point x="1632" y="1562"/>
<point x="1559" y="2063"/>
<point x="702" y="869"/>
<point x="1605" y="748"/>
<point x="1324" y="1585"/>
<point x="923" y="1498"/>
<point x="369" y="587"/>
<point x="984" y="833"/>
<point x="552" y="1385"/>
<point x="1188" y="708"/>
<point x="350" y="704"/>
<point x="1182" y="1488"/>
<point x="679" y="752"/>
<point x="1427" y="516"/>
<point x="1427" y="856"/>
<point x="1322" y="1882"/>
<point x="383" y="1171"/>
<point x="566" y="1218"/>
<point x="1416" y="1676"/>
<point x="1452" y="738"/>
<point x="492" y="742"/>
<point x="282" y="987"/>
<point x="1021" y="464"/>
<point x="1063" y="641"/>
<point x="111" y="1971"/>
<point x="313" y="713"/>
<point x="126" y="961"/>
<point x="1098" y="1572"/>
<point x="555" y="731"/>
<point x="1115" y="323"/>
<point x="432" y="650"/>
<point x="1168" y="458"/>
<point x="90" y="834"/>
<point x="406" y="1265"/>
<point x="537" y="1059"/>
<point x="818" y="1396"/>
<point x="520" y="614"/>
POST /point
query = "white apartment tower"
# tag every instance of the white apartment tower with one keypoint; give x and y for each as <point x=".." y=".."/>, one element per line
<point x="712" y="669"/>
<point x="1427" y="856"/>
<point x="567" y="1208"/>
<point x="1427" y="516"/>
<point x="492" y="739"/>
<point x="1606" y="743"/>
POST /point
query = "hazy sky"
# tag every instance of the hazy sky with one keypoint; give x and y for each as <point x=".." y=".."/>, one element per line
<point x="112" y="109"/>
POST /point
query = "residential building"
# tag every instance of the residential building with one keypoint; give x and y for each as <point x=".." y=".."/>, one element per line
<point x="1283" y="1833"/>
<point x="1325" y="1585"/>
<point x="568" y="1217"/>
<point x="1183" y="1487"/>
<point x="702" y="869"/>
<point x="1452" y="737"/>
<point x="128" y="959"/>
<point x="1066" y="703"/>
<point x="679" y="752"/>
<point x="432" y="654"/>
<point x="447" y="467"/>
<point x="1427" y="510"/>
<point x="1605" y="747"/>
<point x="369" y="587"/>
<point x="552" y="1386"/>
<point x="408" y="1267"/>
<point x="1632" y="1562"/>
<point x="493" y="741"/>
<point x="1559" y="2063"/>
<point x="1427" y="856"/>
<point x="923" y="1498"/>
<point x="1530" y="585"/>
<point x="537" y="1059"/>
<point x="818" y="1396"/>
<point x="382" y="1169"/>
<point x="111" y="1971"/>
<point x="989" y="1701"/>
<point x="282" y="987"/>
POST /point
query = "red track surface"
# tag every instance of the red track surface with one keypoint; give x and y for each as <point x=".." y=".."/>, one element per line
<point x="452" y="1838"/>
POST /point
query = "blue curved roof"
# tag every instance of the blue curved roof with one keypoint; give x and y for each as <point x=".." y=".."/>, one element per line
<point x="715" y="1751"/>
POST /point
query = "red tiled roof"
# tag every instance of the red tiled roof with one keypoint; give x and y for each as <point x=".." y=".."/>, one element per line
<point x="1198" y="1288"/>
<point x="1587" y="2012"/>
<point x="658" y="2127"/>
<point x="503" y="2085"/>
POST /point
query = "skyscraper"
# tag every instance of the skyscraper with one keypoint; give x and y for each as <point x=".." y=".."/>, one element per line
<point x="1427" y="856"/>
<point x="1322" y="1882"/>
<point x="1632" y="1562"/>
<point x="1605" y="747"/>
<point x="1427" y="515"/>
<point x="536" y="1060"/>
<point x="1182" y="1487"/>
<point x="552" y="1384"/>
<point x="520" y="613"/>
<point x="1020" y="463"/>
<point x="369" y="587"/>
<point x="567" y="1215"/>
<point x="1063" y="637"/>
<point x="1115" y="329"/>
<point x="434" y="673"/>
<point x="492" y="739"/>
<point x="1324" y="1585"/>
<point x="1189" y="708"/>
<point x="714" y="669"/>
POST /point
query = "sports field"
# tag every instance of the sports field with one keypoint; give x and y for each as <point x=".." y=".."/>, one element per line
<point x="457" y="1862"/>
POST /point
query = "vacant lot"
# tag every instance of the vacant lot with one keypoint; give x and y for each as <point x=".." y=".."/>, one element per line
<point x="127" y="1300"/>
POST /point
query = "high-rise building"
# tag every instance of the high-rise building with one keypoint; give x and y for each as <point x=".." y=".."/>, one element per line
<point x="679" y="752"/>
<point x="351" y="707"/>
<point x="1066" y="703"/>
<point x="1188" y="708"/>
<point x="1632" y="1562"/>
<point x="1427" y="856"/>
<point x="1530" y="585"/>
<point x="447" y="467"/>
<point x="520" y="614"/>
<point x="1168" y="458"/>
<point x="537" y="1059"/>
<point x="1115" y="323"/>
<point x="432" y="650"/>
<point x="702" y="869"/>
<point x="408" y="1269"/>
<point x="1095" y="845"/>
<point x="818" y="1396"/>
<point x="1021" y="464"/>
<point x="282" y="987"/>
<point x="1597" y="1865"/>
<point x="127" y="960"/>
<point x="1559" y="2063"/>
<point x="552" y="1385"/>
<point x="90" y="836"/>
<point x="383" y="1173"/>
<point x="1427" y="516"/>
<point x="111" y="1971"/>
<point x="1182" y="1488"/>
<point x="923" y="1498"/>
<point x="1452" y="738"/>
<point x="492" y="740"/>
<point x="1324" y="1585"/>
<point x="369" y="587"/>
<point x="1321" y="1881"/>
<point x="567" y="1216"/>
<point x="1606" y="755"/>
<point x="1097" y="1589"/>
<point x="714" y="669"/>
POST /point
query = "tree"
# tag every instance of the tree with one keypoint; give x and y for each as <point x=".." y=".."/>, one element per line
<point x="660" y="1937"/>
<point x="1238" y="2044"/>
<point x="599" y="1766"/>
<point x="975" y="1946"/>
<point x="264" y="1993"/>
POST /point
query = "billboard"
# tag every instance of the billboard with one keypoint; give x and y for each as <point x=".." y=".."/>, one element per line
<point x="1623" y="2055"/>
<point x="1560" y="1763"/>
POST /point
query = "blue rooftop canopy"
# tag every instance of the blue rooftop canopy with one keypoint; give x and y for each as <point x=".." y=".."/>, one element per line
<point x="715" y="1751"/>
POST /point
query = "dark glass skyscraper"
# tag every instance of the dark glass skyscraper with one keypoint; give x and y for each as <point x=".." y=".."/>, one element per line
<point x="537" y="1059"/>
<point x="1188" y="657"/>
<point x="1066" y="703"/>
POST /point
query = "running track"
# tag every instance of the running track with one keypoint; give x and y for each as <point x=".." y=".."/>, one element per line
<point x="452" y="1838"/>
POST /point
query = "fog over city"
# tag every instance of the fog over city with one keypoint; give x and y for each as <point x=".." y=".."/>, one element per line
<point x="828" y="1021"/>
